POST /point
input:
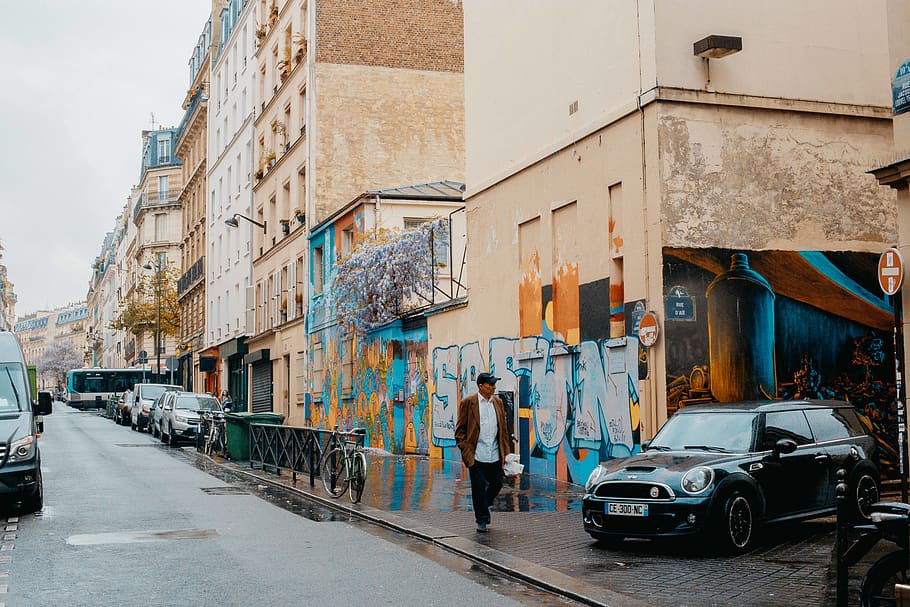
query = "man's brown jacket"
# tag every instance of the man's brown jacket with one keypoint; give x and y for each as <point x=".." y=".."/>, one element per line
<point x="467" y="428"/>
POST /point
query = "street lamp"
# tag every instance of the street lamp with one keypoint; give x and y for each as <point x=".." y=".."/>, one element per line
<point x="157" y="268"/>
<point x="232" y="222"/>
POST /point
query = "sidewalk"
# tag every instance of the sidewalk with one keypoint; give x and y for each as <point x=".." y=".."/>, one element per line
<point x="537" y="536"/>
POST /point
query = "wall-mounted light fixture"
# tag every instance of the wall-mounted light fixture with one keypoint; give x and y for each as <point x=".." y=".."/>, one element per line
<point x="715" y="47"/>
<point x="232" y="222"/>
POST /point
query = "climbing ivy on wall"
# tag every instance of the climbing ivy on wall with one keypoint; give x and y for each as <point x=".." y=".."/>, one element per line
<point x="389" y="273"/>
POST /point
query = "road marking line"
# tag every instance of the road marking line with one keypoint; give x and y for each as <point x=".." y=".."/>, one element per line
<point x="9" y="536"/>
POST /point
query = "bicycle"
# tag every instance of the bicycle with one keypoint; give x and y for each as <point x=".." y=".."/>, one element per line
<point x="212" y="432"/>
<point x="344" y="465"/>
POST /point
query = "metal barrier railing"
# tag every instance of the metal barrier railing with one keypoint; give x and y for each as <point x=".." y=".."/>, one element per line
<point x="297" y="449"/>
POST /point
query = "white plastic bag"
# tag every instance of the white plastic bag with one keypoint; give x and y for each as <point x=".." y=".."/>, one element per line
<point x="512" y="467"/>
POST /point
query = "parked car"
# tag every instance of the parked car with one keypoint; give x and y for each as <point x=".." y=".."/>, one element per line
<point x="725" y="469"/>
<point x="155" y="414"/>
<point x="180" y="420"/>
<point x="123" y="408"/>
<point x="145" y="395"/>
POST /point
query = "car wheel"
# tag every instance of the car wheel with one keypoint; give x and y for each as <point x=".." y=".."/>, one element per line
<point x="35" y="502"/>
<point x="171" y="440"/>
<point x="737" y="525"/>
<point x="162" y="435"/>
<point x="133" y="426"/>
<point x="863" y="492"/>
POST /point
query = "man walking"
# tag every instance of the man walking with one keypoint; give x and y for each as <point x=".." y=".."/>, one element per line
<point x="482" y="435"/>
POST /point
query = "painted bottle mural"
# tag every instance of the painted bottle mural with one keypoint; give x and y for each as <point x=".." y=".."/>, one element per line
<point x="741" y="334"/>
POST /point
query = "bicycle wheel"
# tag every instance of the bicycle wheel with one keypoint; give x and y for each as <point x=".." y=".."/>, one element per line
<point x="358" y="476"/>
<point x="878" y="584"/>
<point x="333" y="474"/>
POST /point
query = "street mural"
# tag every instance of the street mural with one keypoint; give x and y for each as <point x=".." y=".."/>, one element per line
<point x="576" y="404"/>
<point x="388" y="395"/>
<point x="744" y="325"/>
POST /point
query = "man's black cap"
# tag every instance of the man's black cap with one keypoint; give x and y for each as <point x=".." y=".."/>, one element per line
<point x="487" y="378"/>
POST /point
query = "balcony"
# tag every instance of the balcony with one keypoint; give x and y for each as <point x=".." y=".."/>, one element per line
<point x="157" y="199"/>
<point x="190" y="277"/>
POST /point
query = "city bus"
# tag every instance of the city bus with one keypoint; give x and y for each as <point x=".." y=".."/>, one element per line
<point x="93" y="388"/>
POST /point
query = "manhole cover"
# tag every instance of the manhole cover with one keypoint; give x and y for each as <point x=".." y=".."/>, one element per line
<point x="229" y="490"/>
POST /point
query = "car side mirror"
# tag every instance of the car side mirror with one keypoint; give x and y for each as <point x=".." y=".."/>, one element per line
<point x="644" y="445"/>
<point x="45" y="403"/>
<point x="784" y="446"/>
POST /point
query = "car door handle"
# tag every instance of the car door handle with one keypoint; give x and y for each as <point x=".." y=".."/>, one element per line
<point x="821" y="457"/>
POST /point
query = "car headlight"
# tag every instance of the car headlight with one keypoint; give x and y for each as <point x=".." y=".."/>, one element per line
<point x="697" y="480"/>
<point x="21" y="449"/>
<point x="181" y="418"/>
<point x="597" y="475"/>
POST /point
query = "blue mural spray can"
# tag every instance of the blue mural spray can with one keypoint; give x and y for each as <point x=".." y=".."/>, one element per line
<point x="741" y="334"/>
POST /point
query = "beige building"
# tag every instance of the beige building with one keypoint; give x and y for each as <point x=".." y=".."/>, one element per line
<point x="156" y="241"/>
<point x="896" y="173"/>
<point x="192" y="149"/>
<point x="338" y="113"/>
<point x="691" y="159"/>
<point x="47" y="330"/>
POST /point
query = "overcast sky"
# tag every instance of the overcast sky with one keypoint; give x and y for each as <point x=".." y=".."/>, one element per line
<point x="81" y="80"/>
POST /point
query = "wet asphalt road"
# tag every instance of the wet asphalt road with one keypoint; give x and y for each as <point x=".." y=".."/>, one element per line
<point x="128" y="521"/>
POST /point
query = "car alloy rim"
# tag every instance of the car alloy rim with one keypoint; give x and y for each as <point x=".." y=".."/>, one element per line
<point x="740" y="521"/>
<point x="866" y="494"/>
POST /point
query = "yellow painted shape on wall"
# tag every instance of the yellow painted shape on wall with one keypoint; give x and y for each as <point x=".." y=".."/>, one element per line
<point x="565" y="303"/>
<point x="530" y="297"/>
<point x="634" y="413"/>
<point x="410" y="439"/>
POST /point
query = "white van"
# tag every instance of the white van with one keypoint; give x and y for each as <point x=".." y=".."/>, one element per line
<point x="20" y="459"/>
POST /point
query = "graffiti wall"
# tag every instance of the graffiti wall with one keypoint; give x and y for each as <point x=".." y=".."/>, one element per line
<point x="378" y="382"/>
<point x="743" y="325"/>
<point x="573" y="405"/>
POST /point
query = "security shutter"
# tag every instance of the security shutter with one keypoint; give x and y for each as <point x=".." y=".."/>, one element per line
<point x="262" y="387"/>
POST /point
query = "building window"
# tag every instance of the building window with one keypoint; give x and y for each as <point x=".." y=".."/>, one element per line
<point x="162" y="188"/>
<point x="318" y="271"/>
<point x="347" y="241"/>
<point x="164" y="150"/>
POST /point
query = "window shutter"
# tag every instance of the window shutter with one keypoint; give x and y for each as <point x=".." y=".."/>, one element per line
<point x="292" y="291"/>
<point x="250" y="309"/>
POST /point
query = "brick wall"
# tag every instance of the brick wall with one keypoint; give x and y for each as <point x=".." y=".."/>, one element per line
<point x="414" y="34"/>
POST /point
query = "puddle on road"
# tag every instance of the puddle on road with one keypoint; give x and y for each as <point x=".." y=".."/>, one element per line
<point x="132" y="537"/>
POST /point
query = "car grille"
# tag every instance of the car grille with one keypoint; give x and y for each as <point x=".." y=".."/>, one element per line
<point x="4" y="448"/>
<point x="634" y="490"/>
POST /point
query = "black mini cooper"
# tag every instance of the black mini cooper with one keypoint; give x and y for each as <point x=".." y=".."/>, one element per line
<point x="725" y="468"/>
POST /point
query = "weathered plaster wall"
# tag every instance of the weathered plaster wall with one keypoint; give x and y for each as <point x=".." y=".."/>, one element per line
<point x="759" y="179"/>
<point x="377" y="127"/>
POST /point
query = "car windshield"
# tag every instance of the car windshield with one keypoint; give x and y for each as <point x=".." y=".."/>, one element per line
<point x="709" y="431"/>
<point x="153" y="392"/>
<point x="13" y="389"/>
<point x="196" y="402"/>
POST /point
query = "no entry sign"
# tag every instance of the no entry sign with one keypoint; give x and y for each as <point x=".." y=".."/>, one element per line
<point x="647" y="329"/>
<point x="890" y="270"/>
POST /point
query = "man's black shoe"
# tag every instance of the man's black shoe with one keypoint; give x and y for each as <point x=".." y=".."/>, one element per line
<point x="481" y="527"/>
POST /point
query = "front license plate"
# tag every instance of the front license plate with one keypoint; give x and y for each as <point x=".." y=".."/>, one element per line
<point x="627" y="509"/>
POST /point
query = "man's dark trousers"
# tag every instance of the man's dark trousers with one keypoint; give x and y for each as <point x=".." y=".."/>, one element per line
<point x="486" y="482"/>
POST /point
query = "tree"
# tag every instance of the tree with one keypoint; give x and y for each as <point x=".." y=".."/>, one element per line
<point x="58" y="358"/>
<point x="385" y="276"/>
<point x="139" y="312"/>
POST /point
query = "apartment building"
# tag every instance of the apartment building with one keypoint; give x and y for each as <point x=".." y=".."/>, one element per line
<point x="230" y="192"/>
<point x="337" y="113"/>
<point x="196" y="368"/>
<point x="155" y="249"/>
<point x="703" y="162"/>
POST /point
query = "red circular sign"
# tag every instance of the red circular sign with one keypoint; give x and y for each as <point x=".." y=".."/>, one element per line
<point x="648" y="329"/>
<point x="890" y="270"/>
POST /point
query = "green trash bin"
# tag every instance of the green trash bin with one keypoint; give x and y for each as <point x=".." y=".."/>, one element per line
<point x="238" y="430"/>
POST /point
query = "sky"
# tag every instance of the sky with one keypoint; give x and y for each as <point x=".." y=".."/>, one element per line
<point x="81" y="80"/>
